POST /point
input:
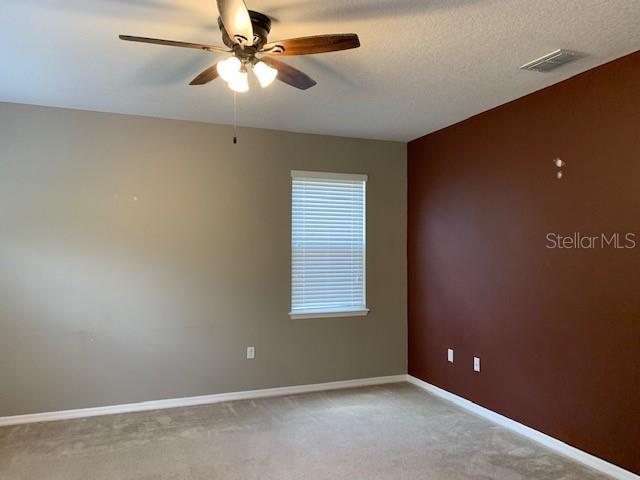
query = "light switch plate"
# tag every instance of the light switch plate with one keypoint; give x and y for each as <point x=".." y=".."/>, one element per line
<point x="476" y="364"/>
<point x="251" y="353"/>
<point x="450" y="355"/>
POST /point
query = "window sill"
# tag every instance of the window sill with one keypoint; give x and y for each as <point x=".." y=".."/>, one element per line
<point x="351" y="313"/>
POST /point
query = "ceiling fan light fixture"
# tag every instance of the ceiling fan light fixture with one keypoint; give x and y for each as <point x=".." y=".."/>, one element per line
<point x="245" y="36"/>
<point x="240" y="82"/>
<point x="228" y="69"/>
<point x="266" y="74"/>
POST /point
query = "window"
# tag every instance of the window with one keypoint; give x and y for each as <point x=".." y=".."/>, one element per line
<point x="327" y="245"/>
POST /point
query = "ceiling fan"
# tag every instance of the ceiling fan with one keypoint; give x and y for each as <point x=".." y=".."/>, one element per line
<point x="245" y="33"/>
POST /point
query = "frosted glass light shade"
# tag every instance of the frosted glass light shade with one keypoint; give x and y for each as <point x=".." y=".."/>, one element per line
<point x="240" y="82"/>
<point x="229" y="68"/>
<point x="266" y="74"/>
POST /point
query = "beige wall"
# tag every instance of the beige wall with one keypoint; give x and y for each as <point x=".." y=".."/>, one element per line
<point x="139" y="258"/>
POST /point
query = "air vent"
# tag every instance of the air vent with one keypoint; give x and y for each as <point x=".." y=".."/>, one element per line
<point x="551" y="61"/>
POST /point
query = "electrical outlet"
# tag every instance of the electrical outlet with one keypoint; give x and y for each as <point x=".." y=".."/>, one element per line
<point x="450" y="355"/>
<point x="251" y="353"/>
<point x="476" y="364"/>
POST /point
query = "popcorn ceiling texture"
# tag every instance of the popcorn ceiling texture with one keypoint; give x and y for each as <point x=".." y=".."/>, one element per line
<point x="423" y="64"/>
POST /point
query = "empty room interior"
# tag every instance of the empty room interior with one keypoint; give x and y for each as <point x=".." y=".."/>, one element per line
<point x="319" y="240"/>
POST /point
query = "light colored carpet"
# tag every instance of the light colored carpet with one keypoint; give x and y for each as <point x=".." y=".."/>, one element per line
<point x="384" y="432"/>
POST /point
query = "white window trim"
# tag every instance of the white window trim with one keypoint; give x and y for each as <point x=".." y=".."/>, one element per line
<point x="329" y="175"/>
<point x="347" y="313"/>
<point x="353" y="313"/>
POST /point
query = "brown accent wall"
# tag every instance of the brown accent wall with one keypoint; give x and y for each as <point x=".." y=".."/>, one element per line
<point x="557" y="330"/>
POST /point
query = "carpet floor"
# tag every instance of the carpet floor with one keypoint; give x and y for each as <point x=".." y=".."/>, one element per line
<point x="385" y="432"/>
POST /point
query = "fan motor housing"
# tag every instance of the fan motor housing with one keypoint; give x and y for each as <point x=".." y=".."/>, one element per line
<point x="261" y="27"/>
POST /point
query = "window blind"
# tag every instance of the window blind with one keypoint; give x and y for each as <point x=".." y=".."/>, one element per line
<point x="328" y="243"/>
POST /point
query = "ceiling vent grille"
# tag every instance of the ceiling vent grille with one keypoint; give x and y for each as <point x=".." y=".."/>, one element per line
<point x="551" y="61"/>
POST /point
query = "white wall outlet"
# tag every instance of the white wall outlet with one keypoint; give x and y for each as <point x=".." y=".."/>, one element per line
<point x="251" y="353"/>
<point x="450" y="355"/>
<point x="476" y="364"/>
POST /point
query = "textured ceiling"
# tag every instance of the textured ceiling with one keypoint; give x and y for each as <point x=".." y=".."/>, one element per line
<point x="423" y="64"/>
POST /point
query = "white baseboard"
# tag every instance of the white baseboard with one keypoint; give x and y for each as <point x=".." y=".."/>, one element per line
<point x="549" y="442"/>
<point x="199" y="400"/>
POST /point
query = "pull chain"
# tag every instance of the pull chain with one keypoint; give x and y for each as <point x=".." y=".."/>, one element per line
<point x="235" y="118"/>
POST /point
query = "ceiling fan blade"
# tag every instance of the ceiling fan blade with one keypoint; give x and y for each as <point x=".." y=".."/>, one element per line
<point x="289" y="75"/>
<point x="313" y="44"/>
<point x="207" y="76"/>
<point x="173" y="43"/>
<point x="236" y="20"/>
